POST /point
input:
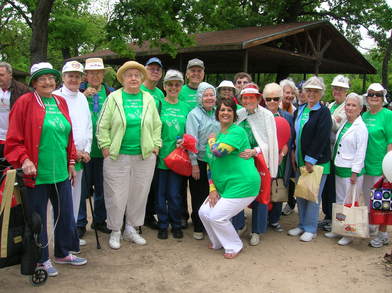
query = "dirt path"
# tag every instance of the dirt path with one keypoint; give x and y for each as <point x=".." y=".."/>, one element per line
<point x="280" y="264"/>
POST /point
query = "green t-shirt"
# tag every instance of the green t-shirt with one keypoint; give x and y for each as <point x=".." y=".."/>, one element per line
<point x="301" y="162"/>
<point x="156" y="93"/>
<point x="173" y="117"/>
<point x="341" y="171"/>
<point x="246" y="126"/>
<point x="188" y="95"/>
<point x="380" y="135"/>
<point x="95" y="109"/>
<point x="52" y="152"/>
<point x="233" y="176"/>
<point x="133" y="108"/>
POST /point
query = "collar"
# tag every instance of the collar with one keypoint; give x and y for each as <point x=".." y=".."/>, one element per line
<point x="66" y="91"/>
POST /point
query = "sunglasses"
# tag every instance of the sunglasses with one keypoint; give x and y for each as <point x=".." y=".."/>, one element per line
<point x="276" y="99"/>
<point x="379" y="95"/>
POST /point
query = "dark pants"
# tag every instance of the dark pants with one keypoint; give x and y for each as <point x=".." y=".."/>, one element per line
<point x="275" y="212"/>
<point x="291" y="199"/>
<point x="238" y="220"/>
<point x="199" y="192"/>
<point x="168" y="201"/>
<point x="92" y="176"/>
<point x="328" y="196"/>
<point x="150" y="207"/>
<point x="184" y="196"/>
<point x="65" y="234"/>
<point x="259" y="217"/>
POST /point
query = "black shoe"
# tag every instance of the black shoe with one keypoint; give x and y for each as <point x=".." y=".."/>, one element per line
<point x="184" y="224"/>
<point x="101" y="227"/>
<point x="162" y="234"/>
<point x="151" y="223"/>
<point x="177" y="233"/>
<point x="81" y="231"/>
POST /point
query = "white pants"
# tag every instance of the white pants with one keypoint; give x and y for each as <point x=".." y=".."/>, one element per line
<point x="126" y="183"/>
<point x="343" y="188"/>
<point x="76" y="193"/>
<point x="368" y="182"/>
<point x="216" y="221"/>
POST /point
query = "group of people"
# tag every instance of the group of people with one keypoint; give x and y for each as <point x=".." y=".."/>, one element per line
<point x="85" y="138"/>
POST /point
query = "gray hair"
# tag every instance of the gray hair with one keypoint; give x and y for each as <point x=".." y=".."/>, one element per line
<point x="357" y="97"/>
<point x="7" y="66"/>
<point x="289" y="82"/>
<point x="272" y="87"/>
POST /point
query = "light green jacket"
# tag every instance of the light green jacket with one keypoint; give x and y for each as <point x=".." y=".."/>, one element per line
<point x="111" y="125"/>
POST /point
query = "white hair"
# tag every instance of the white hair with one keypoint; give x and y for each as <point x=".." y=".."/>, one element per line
<point x="289" y="82"/>
<point x="357" y="97"/>
<point x="272" y="87"/>
<point x="7" y="66"/>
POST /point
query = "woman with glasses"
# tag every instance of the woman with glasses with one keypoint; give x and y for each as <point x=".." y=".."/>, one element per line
<point x="378" y="122"/>
<point x="129" y="135"/>
<point x="40" y="141"/>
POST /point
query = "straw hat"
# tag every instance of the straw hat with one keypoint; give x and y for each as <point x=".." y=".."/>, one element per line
<point x="131" y="65"/>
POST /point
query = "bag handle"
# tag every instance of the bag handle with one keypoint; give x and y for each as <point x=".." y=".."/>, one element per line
<point x="353" y="192"/>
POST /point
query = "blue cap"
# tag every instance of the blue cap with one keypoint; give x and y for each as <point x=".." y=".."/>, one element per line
<point x="154" y="60"/>
<point x="300" y="84"/>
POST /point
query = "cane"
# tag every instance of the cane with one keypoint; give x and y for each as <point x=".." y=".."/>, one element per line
<point x="92" y="213"/>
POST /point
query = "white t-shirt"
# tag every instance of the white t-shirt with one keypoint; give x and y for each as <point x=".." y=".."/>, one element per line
<point x="4" y="112"/>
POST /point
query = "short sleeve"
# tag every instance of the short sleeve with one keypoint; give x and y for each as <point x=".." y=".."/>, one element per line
<point x="236" y="137"/>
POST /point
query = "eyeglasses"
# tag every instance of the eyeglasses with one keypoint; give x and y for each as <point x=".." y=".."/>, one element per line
<point x="46" y="78"/>
<point x="276" y="99"/>
<point x="379" y="95"/>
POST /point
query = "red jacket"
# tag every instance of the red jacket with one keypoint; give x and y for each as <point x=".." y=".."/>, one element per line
<point x="24" y="131"/>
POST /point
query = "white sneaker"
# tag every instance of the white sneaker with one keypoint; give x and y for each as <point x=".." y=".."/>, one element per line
<point x="331" y="235"/>
<point x="307" y="237"/>
<point x="198" y="235"/>
<point x="82" y="242"/>
<point x="295" y="232"/>
<point x="380" y="240"/>
<point x="345" y="241"/>
<point x="134" y="236"/>
<point x="114" y="240"/>
<point x="254" y="239"/>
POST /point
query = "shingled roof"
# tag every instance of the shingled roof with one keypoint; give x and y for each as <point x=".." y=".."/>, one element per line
<point x="306" y="47"/>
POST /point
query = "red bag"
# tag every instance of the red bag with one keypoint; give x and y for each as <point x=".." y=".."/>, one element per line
<point x="190" y="143"/>
<point x="179" y="162"/>
<point x="264" y="195"/>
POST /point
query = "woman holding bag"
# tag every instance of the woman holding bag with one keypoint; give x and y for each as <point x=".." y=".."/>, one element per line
<point x="168" y="194"/>
<point x="349" y="155"/>
<point x="313" y="123"/>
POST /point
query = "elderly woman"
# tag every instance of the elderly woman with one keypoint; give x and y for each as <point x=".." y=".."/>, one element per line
<point x="313" y="125"/>
<point x="201" y="123"/>
<point x="260" y="127"/>
<point x="235" y="181"/>
<point x="378" y="122"/>
<point x="272" y="95"/>
<point x="227" y="90"/>
<point x="349" y="155"/>
<point x="129" y="134"/>
<point x="81" y="125"/>
<point x="40" y="141"/>
<point x="340" y="86"/>
<point x="290" y="91"/>
<point x="168" y="195"/>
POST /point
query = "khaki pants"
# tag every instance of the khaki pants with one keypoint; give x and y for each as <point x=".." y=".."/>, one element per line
<point x="126" y="183"/>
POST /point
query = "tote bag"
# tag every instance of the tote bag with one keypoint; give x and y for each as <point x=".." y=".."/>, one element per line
<point x="308" y="184"/>
<point x="279" y="192"/>
<point x="350" y="220"/>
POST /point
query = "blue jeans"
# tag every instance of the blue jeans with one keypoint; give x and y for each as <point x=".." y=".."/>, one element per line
<point x="92" y="176"/>
<point x="238" y="220"/>
<point x="308" y="211"/>
<point x="259" y="217"/>
<point x="65" y="234"/>
<point x="168" y="201"/>
<point x="275" y="212"/>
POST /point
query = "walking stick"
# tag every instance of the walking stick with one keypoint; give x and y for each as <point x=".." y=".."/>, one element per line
<point x="92" y="213"/>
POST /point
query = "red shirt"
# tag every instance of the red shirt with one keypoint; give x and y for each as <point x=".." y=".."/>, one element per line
<point x="24" y="131"/>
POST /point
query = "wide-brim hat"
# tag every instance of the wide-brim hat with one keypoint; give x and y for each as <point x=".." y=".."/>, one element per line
<point x="131" y="65"/>
<point x="43" y="68"/>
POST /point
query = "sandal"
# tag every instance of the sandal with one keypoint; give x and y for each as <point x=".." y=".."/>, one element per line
<point x="231" y="255"/>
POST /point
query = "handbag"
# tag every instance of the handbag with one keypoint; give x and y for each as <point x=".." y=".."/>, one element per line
<point x="308" y="184"/>
<point x="279" y="192"/>
<point x="179" y="162"/>
<point x="350" y="220"/>
<point x="264" y="195"/>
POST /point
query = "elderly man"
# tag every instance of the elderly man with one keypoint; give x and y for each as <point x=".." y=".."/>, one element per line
<point x="194" y="75"/>
<point x="96" y="92"/>
<point x="154" y="69"/>
<point x="340" y="86"/>
<point x="154" y="74"/>
<point x="10" y="90"/>
<point x="241" y="79"/>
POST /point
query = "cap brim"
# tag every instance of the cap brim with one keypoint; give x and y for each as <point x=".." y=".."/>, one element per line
<point x="315" y="87"/>
<point x="44" y="71"/>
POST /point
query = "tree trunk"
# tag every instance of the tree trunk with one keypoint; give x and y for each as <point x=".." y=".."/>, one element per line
<point x="385" y="63"/>
<point x="39" y="38"/>
<point x="66" y="52"/>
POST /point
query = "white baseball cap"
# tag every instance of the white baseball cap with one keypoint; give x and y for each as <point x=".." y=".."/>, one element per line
<point x="94" y="64"/>
<point x="341" y="81"/>
<point x="73" y="66"/>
